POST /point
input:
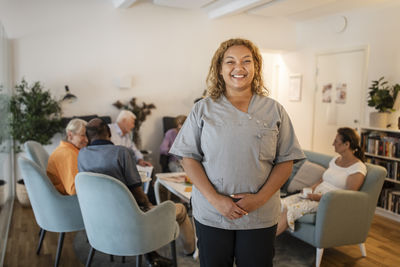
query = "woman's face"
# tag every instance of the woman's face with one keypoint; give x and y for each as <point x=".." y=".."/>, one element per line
<point x="237" y="68"/>
<point x="339" y="145"/>
<point x="78" y="139"/>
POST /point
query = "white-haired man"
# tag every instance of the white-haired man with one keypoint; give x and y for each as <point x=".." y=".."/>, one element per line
<point x="63" y="162"/>
<point x="121" y="134"/>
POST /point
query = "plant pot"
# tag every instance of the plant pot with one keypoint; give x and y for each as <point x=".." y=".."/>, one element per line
<point x="22" y="194"/>
<point x="2" y="192"/>
<point x="378" y="119"/>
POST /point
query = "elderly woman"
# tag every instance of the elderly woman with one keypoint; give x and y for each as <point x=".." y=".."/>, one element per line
<point x="346" y="171"/>
<point x="63" y="162"/>
<point x="238" y="148"/>
<point x="173" y="162"/>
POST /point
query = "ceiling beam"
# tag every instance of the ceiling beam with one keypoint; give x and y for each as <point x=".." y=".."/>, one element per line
<point x="123" y="3"/>
<point x="234" y="7"/>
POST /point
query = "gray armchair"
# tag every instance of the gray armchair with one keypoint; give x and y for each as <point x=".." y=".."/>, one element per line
<point x="343" y="217"/>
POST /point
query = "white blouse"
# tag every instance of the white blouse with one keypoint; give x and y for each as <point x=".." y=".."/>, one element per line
<point x="335" y="177"/>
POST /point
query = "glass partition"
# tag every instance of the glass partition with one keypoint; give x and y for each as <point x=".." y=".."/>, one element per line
<point x="6" y="153"/>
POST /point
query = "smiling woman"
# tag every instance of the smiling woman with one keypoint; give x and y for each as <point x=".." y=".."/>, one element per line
<point x="237" y="69"/>
<point x="251" y="136"/>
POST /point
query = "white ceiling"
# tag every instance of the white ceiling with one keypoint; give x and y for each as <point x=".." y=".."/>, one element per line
<point x="291" y="9"/>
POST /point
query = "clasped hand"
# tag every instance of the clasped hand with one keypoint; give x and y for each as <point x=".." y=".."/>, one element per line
<point x="234" y="210"/>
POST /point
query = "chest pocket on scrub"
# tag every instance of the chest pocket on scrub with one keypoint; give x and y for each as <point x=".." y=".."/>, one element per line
<point x="268" y="142"/>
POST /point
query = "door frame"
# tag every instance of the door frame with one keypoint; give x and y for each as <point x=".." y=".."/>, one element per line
<point x="363" y="48"/>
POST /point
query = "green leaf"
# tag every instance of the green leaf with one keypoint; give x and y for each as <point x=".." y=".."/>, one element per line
<point x="35" y="114"/>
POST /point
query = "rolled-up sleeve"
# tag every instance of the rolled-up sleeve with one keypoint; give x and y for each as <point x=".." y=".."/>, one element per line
<point x="188" y="142"/>
<point x="288" y="147"/>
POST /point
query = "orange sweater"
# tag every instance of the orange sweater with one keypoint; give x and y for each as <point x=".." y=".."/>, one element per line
<point x="62" y="168"/>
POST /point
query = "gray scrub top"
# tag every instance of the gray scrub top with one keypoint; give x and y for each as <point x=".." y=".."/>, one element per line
<point x="238" y="151"/>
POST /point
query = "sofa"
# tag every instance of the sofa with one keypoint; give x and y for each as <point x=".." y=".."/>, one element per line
<point x="343" y="216"/>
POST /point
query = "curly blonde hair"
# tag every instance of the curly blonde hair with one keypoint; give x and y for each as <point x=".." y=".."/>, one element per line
<point x="215" y="81"/>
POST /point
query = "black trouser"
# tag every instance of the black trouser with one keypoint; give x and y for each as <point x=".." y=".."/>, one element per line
<point x="219" y="247"/>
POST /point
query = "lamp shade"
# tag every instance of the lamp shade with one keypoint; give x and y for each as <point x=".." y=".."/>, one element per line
<point x="68" y="96"/>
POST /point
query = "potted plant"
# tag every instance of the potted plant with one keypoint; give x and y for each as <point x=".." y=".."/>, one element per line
<point x="141" y="112"/>
<point x="36" y="115"/>
<point x="382" y="97"/>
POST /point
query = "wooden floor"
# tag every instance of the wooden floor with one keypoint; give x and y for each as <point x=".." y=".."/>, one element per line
<point x="383" y="245"/>
<point x="23" y="239"/>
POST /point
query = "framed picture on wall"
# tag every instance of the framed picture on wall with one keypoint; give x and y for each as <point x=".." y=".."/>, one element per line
<point x="295" y="87"/>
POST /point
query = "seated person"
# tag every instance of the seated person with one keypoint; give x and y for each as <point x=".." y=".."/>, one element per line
<point x="102" y="156"/>
<point x="346" y="171"/>
<point x="121" y="134"/>
<point x="63" y="162"/>
<point x="169" y="138"/>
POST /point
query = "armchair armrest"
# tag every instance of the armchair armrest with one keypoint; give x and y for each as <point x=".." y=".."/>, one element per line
<point x="162" y="221"/>
<point x="341" y="218"/>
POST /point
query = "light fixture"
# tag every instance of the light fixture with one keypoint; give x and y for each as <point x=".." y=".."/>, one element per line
<point x="68" y="96"/>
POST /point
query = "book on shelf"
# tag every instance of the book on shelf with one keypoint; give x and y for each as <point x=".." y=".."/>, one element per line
<point x="390" y="200"/>
<point x="380" y="144"/>
<point x="392" y="167"/>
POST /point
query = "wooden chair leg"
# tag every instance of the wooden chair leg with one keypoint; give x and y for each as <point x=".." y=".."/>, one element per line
<point x="90" y="256"/>
<point x="139" y="261"/>
<point x="318" y="259"/>
<point x="59" y="248"/>
<point x="363" y="250"/>
<point x="41" y="237"/>
<point x="173" y="253"/>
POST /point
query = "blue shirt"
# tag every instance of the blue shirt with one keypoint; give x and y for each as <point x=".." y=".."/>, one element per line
<point x="102" y="156"/>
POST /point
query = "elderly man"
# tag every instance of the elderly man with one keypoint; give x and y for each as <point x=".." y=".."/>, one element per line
<point x="102" y="156"/>
<point x="63" y="162"/>
<point x="121" y="134"/>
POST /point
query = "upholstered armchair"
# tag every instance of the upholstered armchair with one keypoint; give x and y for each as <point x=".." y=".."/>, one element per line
<point x="343" y="217"/>
<point x="53" y="212"/>
<point x="168" y="123"/>
<point x="115" y="224"/>
<point x="37" y="153"/>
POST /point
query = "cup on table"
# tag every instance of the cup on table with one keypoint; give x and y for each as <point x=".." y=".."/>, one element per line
<point x="306" y="191"/>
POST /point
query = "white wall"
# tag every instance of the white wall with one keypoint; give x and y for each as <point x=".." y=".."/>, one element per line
<point x="377" y="28"/>
<point x="87" y="44"/>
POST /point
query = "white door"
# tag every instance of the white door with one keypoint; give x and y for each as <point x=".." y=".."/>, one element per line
<point x="340" y="95"/>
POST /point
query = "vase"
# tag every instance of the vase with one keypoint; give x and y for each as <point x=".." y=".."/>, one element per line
<point x="22" y="194"/>
<point x="378" y="119"/>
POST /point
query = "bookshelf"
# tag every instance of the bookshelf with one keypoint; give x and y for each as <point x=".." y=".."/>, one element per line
<point x="382" y="147"/>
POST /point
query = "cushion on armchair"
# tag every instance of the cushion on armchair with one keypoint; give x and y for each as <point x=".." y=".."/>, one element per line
<point x="308" y="174"/>
<point x="296" y="167"/>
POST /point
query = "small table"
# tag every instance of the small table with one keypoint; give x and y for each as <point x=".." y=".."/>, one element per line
<point x="177" y="188"/>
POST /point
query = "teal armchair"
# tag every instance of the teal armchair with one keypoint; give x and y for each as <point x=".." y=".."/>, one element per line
<point x="343" y="217"/>
<point x="53" y="212"/>
<point x="115" y="224"/>
<point x="37" y="153"/>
